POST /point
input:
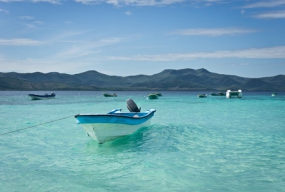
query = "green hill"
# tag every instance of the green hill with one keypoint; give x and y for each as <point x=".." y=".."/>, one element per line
<point x="183" y="79"/>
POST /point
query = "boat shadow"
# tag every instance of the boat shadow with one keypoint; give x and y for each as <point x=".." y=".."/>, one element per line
<point x="123" y="144"/>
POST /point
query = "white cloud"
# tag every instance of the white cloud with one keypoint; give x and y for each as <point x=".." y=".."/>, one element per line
<point x="128" y="13"/>
<point x="271" y="15"/>
<point x="26" y="17"/>
<point x="262" y="53"/>
<point x="83" y="49"/>
<point x="7" y="1"/>
<point x="63" y="61"/>
<point x="213" y="32"/>
<point x="128" y="2"/>
<point x="19" y="42"/>
<point x="132" y="2"/>
<point x="5" y="11"/>
<point x="48" y="1"/>
<point x="265" y="4"/>
<point x="43" y="65"/>
<point x="34" y="1"/>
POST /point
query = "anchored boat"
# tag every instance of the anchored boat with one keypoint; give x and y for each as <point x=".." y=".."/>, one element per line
<point x="152" y="96"/>
<point x="202" y="95"/>
<point x="218" y="94"/>
<point x="230" y="94"/>
<point x="158" y="94"/>
<point x="110" y="95"/>
<point x="40" y="97"/>
<point x="115" y="124"/>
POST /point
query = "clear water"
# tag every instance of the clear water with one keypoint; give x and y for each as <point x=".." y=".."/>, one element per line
<point x="193" y="144"/>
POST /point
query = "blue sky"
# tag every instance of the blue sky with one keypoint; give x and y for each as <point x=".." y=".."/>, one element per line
<point x="131" y="37"/>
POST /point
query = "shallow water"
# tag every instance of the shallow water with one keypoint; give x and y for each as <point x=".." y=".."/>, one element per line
<point x="193" y="144"/>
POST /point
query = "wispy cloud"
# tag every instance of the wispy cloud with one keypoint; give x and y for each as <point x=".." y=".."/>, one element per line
<point x="271" y="15"/>
<point x="5" y="11"/>
<point x="265" y="4"/>
<point x="26" y="17"/>
<point x="20" y="42"/>
<point x="7" y="1"/>
<point x="213" y="32"/>
<point x="129" y="2"/>
<point x="128" y="13"/>
<point x="44" y="65"/>
<point x="47" y="1"/>
<point x="262" y="53"/>
<point x="132" y="2"/>
<point x="83" y="49"/>
<point x="34" y="1"/>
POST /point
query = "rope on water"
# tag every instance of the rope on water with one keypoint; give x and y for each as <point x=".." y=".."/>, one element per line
<point x="36" y="125"/>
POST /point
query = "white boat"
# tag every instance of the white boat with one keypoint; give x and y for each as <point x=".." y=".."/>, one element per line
<point x="230" y="94"/>
<point x="40" y="97"/>
<point x="202" y="95"/>
<point x="110" y="95"/>
<point x="115" y="124"/>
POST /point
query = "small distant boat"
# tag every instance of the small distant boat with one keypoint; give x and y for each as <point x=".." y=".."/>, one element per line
<point x="110" y="95"/>
<point x="115" y="124"/>
<point x="40" y="97"/>
<point x="274" y="94"/>
<point x="231" y="94"/>
<point x="217" y="94"/>
<point x="202" y="95"/>
<point x="152" y="96"/>
<point x="158" y="94"/>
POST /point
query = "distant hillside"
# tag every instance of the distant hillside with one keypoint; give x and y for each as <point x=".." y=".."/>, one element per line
<point x="183" y="79"/>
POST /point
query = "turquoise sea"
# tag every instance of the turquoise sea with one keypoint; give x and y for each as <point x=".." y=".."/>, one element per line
<point x="193" y="144"/>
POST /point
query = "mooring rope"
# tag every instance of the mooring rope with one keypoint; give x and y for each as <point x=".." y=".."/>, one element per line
<point x="36" y="125"/>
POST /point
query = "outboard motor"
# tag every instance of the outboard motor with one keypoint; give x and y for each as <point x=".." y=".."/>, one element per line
<point x="132" y="106"/>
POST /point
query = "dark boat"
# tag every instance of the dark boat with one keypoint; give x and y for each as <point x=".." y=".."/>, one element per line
<point x="152" y="96"/>
<point x="202" y="95"/>
<point x="110" y="95"/>
<point x="40" y="97"/>
<point x="217" y="94"/>
<point x="158" y="94"/>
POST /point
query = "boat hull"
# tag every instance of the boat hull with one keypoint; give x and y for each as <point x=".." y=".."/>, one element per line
<point x="41" y="97"/>
<point x="217" y="94"/>
<point x="102" y="132"/>
<point x="230" y="94"/>
<point x="152" y="96"/>
<point x="109" y="95"/>
<point x="202" y="96"/>
<point x="115" y="124"/>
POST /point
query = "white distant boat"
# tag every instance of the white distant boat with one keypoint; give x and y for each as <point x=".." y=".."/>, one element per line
<point x="40" y="97"/>
<point x="202" y="95"/>
<point x="230" y="94"/>
<point x="115" y="124"/>
<point x="274" y="94"/>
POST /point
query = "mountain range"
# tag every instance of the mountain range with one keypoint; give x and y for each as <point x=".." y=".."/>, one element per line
<point x="169" y="79"/>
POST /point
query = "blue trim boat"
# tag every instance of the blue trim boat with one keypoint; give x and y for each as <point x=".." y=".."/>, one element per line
<point x="115" y="124"/>
<point x="110" y="95"/>
<point x="202" y="95"/>
<point x="152" y="96"/>
<point x="40" y="97"/>
<point x="274" y="94"/>
<point x="218" y="94"/>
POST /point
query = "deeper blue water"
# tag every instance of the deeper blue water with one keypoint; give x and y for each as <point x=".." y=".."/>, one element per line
<point x="193" y="144"/>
